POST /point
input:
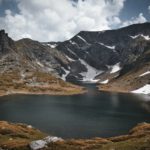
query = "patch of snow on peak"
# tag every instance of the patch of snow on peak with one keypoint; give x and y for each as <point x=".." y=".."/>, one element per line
<point x="72" y="42"/>
<point x="110" y="47"/>
<point x="146" y="37"/>
<point x="115" y="68"/>
<point x="82" y="39"/>
<point x="104" y="82"/>
<point x="143" y="90"/>
<point x="65" y="75"/>
<point x="144" y="74"/>
<point x="51" y="45"/>
<point x="90" y="74"/>
<point x="134" y="37"/>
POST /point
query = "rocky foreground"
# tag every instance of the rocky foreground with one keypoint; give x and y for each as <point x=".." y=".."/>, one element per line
<point x="25" y="137"/>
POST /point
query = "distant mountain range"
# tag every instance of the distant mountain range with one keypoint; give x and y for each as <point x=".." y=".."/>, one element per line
<point x="120" y="59"/>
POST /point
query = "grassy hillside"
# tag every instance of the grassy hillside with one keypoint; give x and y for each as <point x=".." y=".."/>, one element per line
<point x="19" y="136"/>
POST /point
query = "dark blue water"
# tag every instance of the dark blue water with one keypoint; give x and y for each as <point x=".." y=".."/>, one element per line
<point x="80" y="116"/>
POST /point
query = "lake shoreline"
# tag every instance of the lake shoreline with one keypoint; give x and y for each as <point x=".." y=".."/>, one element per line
<point x="25" y="136"/>
<point x="44" y="93"/>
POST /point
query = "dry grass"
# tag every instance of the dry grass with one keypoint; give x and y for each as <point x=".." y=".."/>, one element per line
<point x="18" y="136"/>
<point x="35" y="83"/>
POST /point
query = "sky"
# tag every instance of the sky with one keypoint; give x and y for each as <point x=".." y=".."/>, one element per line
<point x="59" y="20"/>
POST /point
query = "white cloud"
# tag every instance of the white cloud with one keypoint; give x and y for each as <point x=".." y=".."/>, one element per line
<point x="50" y="20"/>
<point x="135" y="20"/>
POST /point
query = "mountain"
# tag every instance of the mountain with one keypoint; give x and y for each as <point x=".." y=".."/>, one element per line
<point x="92" y="54"/>
<point x="114" y="58"/>
<point x="118" y="59"/>
<point x="27" y="66"/>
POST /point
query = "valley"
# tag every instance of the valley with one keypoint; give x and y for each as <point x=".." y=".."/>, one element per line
<point x="96" y="84"/>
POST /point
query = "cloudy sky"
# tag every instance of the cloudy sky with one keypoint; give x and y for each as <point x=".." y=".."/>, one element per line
<point x="58" y="20"/>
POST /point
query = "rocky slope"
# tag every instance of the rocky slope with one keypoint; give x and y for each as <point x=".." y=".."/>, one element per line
<point x="118" y="59"/>
<point x="25" y="137"/>
<point x="115" y="58"/>
<point x="27" y="66"/>
<point x="134" y="77"/>
<point x="100" y="55"/>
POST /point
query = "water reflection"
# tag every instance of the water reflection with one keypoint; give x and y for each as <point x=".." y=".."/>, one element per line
<point x="115" y="99"/>
<point x="144" y="100"/>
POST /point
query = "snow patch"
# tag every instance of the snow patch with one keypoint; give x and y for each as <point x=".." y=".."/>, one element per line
<point x="115" y="68"/>
<point x="82" y="39"/>
<point x="144" y="74"/>
<point x="146" y="37"/>
<point x="104" y="82"/>
<point x="52" y="45"/>
<point x="143" y="90"/>
<point x="65" y="75"/>
<point x="110" y="47"/>
<point x="90" y="74"/>
<point x="72" y="42"/>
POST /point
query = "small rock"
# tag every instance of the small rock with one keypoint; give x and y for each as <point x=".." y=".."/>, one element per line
<point x="50" y="139"/>
<point x="29" y="126"/>
<point x="10" y="139"/>
<point x="35" y="145"/>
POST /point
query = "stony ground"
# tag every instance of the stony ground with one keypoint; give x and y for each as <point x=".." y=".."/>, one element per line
<point x="19" y="136"/>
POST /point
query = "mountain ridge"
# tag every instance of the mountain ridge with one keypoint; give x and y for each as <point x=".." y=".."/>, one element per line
<point x="95" y="57"/>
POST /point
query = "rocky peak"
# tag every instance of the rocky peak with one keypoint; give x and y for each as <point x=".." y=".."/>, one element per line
<point x="5" y="42"/>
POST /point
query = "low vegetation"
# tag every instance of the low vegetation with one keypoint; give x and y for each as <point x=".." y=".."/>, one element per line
<point x="35" y="83"/>
<point x="13" y="136"/>
<point x="19" y="136"/>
